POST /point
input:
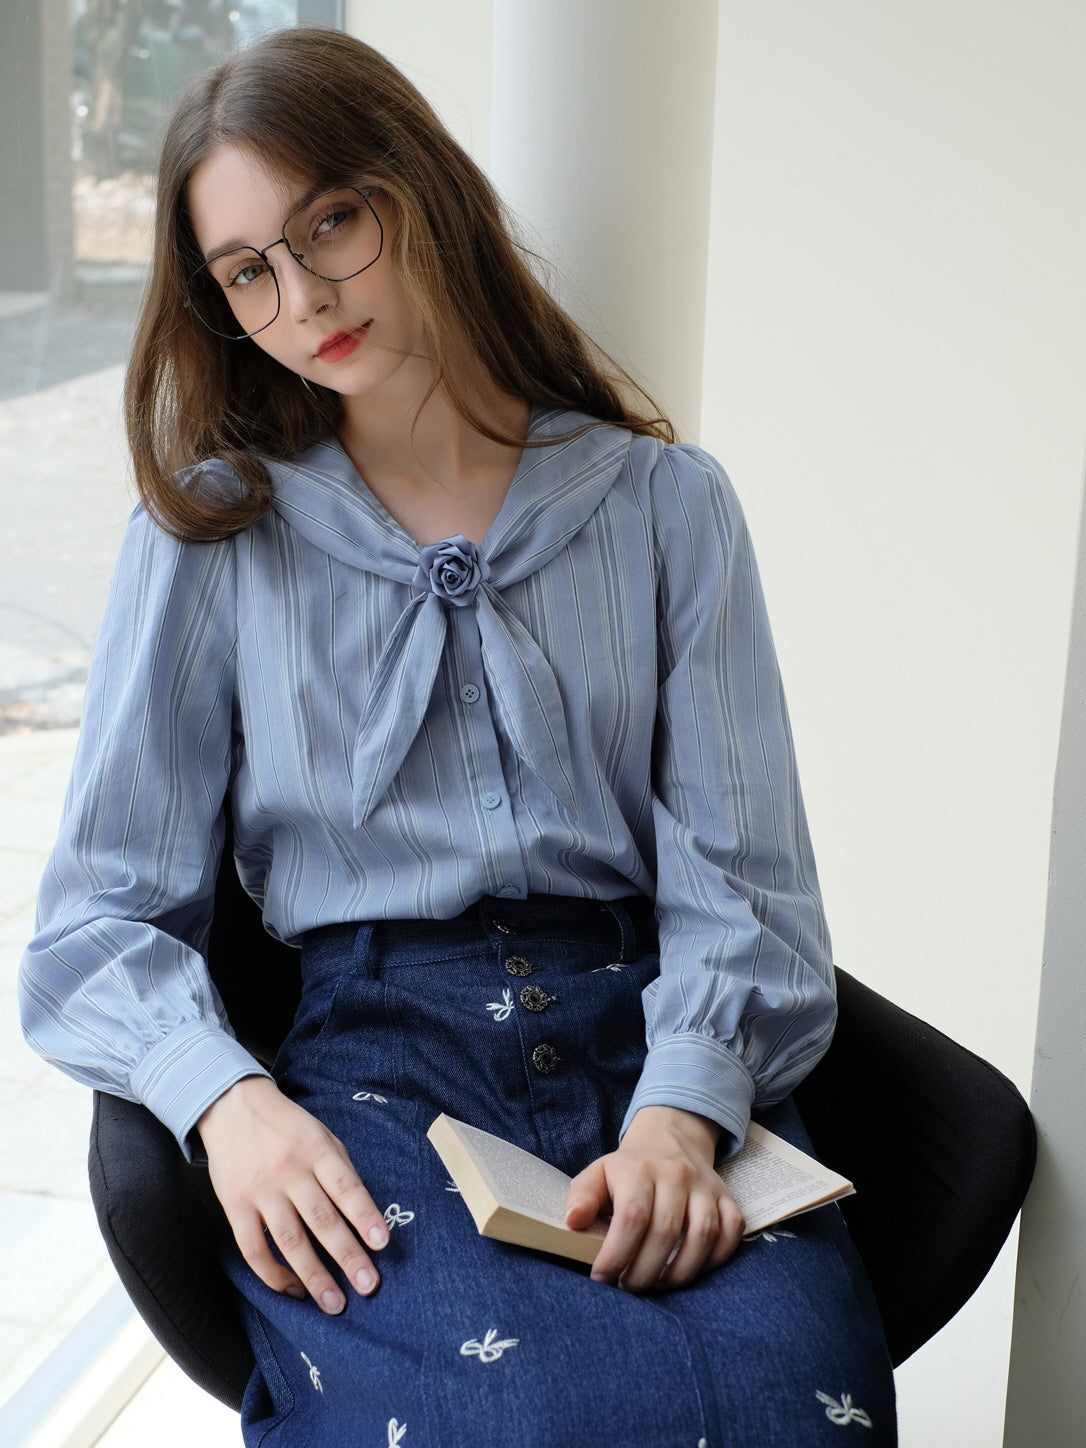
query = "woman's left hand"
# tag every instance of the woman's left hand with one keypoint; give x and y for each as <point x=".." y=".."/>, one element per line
<point x="672" y="1217"/>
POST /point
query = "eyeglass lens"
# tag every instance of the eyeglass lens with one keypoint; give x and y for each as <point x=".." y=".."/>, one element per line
<point x="335" y="237"/>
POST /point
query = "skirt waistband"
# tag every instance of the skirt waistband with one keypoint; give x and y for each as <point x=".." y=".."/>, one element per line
<point x="628" y="924"/>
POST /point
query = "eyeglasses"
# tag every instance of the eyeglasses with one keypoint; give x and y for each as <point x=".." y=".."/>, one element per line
<point x="335" y="237"/>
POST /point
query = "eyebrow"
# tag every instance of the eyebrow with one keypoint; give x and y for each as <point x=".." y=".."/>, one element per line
<point x="318" y="189"/>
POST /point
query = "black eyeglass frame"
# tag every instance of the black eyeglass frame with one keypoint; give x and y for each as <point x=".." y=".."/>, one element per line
<point x="281" y="240"/>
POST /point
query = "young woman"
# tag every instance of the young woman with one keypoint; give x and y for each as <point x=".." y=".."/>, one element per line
<point x="480" y="655"/>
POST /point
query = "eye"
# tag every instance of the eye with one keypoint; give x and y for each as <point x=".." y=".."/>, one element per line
<point x="247" y="274"/>
<point x="330" y="221"/>
<point x="243" y="269"/>
<point x="334" y="221"/>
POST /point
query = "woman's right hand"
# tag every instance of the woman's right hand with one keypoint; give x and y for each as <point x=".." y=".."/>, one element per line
<point x="276" y="1167"/>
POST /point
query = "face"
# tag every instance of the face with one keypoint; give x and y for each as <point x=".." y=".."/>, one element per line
<point x="361" y="336"/>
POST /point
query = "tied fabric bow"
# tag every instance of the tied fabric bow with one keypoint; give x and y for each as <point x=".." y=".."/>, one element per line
<point x="522" y="685"/>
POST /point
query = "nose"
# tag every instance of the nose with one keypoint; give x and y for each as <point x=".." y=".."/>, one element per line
<point x="303" y="294"/>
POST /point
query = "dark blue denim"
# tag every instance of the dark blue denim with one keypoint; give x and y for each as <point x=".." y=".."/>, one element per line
<point x="524" y="1018"/>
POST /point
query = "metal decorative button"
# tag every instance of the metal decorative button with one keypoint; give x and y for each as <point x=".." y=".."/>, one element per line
<point x="534" y="998"/>
<point x="503" y="926"/>
<point x="470" y="693"/>
<point x="545" y="1059"/>
<point x="517" y="965"/>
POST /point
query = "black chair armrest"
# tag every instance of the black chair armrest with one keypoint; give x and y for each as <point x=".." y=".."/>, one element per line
<point x="159" y="1216"/>
<point x="941" y="1147"/>
<point x="160" y="1220"/>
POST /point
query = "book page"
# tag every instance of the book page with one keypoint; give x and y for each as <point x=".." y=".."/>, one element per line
<point x="517" y="1179"/>
<point x="770" y="1179"/>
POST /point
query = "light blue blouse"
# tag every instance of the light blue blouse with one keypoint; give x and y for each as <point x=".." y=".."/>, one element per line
<point x="602" y="716"/>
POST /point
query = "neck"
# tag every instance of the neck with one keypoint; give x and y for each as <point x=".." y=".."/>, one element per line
<point x="429" y="468"/>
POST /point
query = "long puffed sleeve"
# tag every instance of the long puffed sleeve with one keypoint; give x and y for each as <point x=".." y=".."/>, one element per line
<point x="744" y="1003"/>
<point x="114" y="989"/>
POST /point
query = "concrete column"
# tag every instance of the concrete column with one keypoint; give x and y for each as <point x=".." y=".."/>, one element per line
<point x="35" y="157"/>
<point x="1046" y="1391"/>
<point x="442" y="48"/>
<point x="601" y="142"/>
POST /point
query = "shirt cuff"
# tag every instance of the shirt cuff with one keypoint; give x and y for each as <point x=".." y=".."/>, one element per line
<point x="181" y="1076"/>
<point x="700" y="1074"/>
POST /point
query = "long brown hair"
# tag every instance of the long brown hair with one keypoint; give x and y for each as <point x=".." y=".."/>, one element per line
<point x="191" y="395"/>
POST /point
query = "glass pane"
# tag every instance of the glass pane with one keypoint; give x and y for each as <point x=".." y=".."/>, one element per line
<point x="84" y="88"/>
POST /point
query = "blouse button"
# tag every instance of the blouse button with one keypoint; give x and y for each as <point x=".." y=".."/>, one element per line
<point x="517" y="965"/>
<point x="545" y="1059"/>
<point x="534" y="998"/>
<point x="470" y="693"/>
<point x="508" y="892"/>
<point x="491" y="800"/>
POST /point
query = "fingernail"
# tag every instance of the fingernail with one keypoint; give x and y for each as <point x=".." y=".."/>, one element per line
<point x="332" y="1301"/>
<point x="365" y="1279"/>
<point x="377" y="1237"/>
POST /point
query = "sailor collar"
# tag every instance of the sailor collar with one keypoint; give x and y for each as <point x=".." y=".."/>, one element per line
<point x="555" y="490"/>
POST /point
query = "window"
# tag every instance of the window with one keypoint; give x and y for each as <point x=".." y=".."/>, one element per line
<point x="84" y="88"/>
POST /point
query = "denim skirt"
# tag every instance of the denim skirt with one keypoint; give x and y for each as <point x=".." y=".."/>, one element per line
<point x="525" y="1018"/>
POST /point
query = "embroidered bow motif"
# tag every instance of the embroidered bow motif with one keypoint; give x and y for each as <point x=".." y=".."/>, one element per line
<point x="606" y="967"/>
<point x="502" y="1009"/>
<point x="488" y="1350"/>
<point x="369" y="1096"/>
<point x="395" y="1432"/>
<point x="767" y="1236"/>
<point x="843" y="1413"/>
<point x="450" y="1186"/>
<point x="314" y="1374"/>
<point x="394" y="1217"/>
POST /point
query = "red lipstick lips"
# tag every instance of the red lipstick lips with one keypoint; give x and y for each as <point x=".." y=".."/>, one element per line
<point x="340" y="345"/>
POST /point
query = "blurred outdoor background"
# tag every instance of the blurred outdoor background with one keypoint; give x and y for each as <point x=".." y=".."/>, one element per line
<point x="85" y="86"/>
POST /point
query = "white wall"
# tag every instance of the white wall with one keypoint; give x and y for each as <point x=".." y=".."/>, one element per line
<point x="896" y="379"/>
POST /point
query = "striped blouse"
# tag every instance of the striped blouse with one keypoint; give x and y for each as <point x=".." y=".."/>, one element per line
<point x="587" y="704"/>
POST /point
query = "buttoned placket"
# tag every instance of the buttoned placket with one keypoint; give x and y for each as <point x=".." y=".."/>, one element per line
<point x="533" y="999"/>
<point x="473" y="722"/>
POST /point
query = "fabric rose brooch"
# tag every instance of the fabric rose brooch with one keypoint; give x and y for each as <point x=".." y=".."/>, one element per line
<point x="452" y="570"/>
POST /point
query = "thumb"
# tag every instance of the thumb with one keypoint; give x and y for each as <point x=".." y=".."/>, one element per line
<point x="587" y="1196"/>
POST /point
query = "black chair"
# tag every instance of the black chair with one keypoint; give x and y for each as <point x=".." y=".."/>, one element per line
<point x="940" y="1145"/>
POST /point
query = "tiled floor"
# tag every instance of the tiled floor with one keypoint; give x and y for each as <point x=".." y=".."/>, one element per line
<point x="64" y="508"/>
<point x="53" y="1266"/>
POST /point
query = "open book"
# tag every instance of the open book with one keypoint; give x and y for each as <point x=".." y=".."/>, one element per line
<point x="516" y="1197"/>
